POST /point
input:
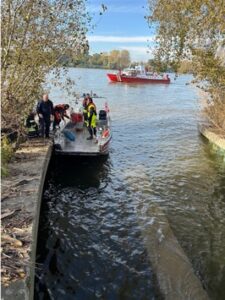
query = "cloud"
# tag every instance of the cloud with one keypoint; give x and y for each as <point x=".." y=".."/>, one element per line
<point x="120" y="39"/>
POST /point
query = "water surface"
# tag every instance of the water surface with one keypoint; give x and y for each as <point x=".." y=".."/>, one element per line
<point x="91" y="243"/>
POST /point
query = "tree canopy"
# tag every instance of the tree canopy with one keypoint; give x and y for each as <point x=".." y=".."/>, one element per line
<point x="193" y="30"/>
<point x="115" y="59"/>
<point x="35" y="36"/>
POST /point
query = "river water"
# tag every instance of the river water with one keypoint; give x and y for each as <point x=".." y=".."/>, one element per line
<point x="91" y="239"/>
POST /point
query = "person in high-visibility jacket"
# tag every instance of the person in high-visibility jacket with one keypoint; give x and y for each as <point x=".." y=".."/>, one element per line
<point x="32" y="126"/>
<point x="92" y="117"/>
<point x="85" y="112"/>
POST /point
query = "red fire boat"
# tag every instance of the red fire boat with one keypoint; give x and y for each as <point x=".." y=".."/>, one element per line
<point x="137" y="74"/>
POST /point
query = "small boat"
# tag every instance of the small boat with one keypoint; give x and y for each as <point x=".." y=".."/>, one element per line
<point x="71" y="138"/>
<point x="92" y="95"/>
<point x="137" y="74"/>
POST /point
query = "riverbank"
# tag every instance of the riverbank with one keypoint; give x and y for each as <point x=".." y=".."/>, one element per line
<point x="20" y="202"/>
<point x="214" y="135"/>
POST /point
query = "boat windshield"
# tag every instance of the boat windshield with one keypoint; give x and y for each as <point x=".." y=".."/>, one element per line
<point x="134" y="71"/>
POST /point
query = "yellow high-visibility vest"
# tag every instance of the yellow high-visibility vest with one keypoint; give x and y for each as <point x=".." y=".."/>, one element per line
<point x="94" y="117"/>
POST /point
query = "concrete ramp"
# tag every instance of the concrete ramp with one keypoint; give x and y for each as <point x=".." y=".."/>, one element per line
<point x="176" y="277"/>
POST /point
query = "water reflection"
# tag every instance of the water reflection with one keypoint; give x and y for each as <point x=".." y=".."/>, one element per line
<point x="75" y="170"/>
<point x="93" y="246"/>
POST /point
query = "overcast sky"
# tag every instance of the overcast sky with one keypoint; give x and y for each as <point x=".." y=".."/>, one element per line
<point x="122" y="26"/>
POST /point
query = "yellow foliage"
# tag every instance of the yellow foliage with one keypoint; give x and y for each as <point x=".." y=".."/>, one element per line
<point x="193" y="30"/>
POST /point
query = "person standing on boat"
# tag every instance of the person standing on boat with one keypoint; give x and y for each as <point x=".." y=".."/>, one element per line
<point x="85" y="112"/>
<point x="45" y="113"/>
<point x="90" y="101"/>
<point x="92" y="117"/>
<point x="60" y="112"/>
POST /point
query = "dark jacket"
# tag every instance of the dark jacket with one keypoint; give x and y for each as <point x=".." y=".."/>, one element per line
<point x="45" y="108"/>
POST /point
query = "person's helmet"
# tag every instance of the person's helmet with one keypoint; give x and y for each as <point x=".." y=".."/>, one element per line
<point x="66" y="106"/>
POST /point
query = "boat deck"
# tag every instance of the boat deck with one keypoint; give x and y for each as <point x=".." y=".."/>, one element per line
<point x="81" y="146"/>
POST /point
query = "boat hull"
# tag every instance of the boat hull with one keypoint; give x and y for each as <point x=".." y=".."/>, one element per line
<point x="103" y="150"/>
<point x="129" y="79"/>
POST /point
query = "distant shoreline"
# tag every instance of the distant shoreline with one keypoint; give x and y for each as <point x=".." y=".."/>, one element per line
<point x="116" y="69"/>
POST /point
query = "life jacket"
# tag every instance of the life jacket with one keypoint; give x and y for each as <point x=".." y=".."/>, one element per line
<point x="90" y="107"/>
<point x="32" y="127"/>
<point x="93" y="120"/>
<point x="30" y="122"/>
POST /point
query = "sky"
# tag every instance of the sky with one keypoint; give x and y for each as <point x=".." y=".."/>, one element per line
<point x="122" y="26"/>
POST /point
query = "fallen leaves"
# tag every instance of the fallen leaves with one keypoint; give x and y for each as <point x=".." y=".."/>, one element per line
<point x="15" y="249"/>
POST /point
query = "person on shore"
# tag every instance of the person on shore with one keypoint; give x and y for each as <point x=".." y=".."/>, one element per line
<point x="60" y="113"/>
<point x="45" y="113"/>
<point x="92" y="117"/>
<point x="31" y="125"/>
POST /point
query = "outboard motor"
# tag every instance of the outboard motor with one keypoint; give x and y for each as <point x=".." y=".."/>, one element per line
<point x="102" y="115"/>
<point x="102" y="118"/>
